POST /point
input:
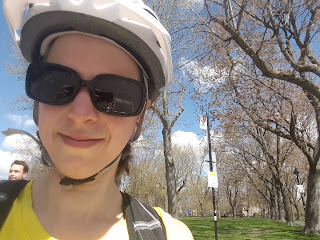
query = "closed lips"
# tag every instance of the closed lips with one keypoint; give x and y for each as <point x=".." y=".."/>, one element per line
<point x="80" y="141"/>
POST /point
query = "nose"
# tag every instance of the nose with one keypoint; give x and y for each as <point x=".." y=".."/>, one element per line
<point x="82" y="109"/>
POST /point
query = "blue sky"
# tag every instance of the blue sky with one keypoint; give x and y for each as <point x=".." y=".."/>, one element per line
<point x="11" y="89"/>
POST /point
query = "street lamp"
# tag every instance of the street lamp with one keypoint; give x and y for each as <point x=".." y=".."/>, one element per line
<point x="12" y="131"/>
<point x="296" y="172"/>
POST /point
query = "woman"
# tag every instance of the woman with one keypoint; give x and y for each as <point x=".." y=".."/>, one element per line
<point x="96" y="66"/>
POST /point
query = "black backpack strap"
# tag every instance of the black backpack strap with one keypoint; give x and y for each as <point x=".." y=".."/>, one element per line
<point x="9" y="191"/>
<point x="143" y="221"/>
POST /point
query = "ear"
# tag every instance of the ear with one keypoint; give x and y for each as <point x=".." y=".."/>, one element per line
<point x="146" y="106"/>
<point x="148" y="103"/>
<point x="36" y="112"/>
<point x="139" y="121"/>
<point x="25" y="175"/>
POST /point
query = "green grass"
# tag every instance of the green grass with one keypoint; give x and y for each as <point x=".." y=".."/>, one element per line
<point x="244" y="229"/>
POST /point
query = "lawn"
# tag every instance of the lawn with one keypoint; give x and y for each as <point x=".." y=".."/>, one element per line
<point x="244" y="229"/>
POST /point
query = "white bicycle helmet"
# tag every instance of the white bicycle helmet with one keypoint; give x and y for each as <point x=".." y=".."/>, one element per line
<point x="129" y="23"/>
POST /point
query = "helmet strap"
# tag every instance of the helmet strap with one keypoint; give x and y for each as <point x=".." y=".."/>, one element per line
<point x="68" y="183"/>
<point x="65" y="181"/>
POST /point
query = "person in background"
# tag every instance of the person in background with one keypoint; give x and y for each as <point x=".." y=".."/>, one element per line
<point x="18" y="170"/>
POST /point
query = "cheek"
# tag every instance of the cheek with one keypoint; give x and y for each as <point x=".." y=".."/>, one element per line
<point x="50" y="113"/>
<point x="46" y="119"/>
<point x="122" y="126"/>
<point x="44" y="113"/>
<point x="121" y="130"/>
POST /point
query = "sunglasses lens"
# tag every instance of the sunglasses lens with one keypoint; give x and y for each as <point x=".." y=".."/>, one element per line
<point x="51" y="84"/>
<point x="118" y="96"/>
<point x="57" y="85"/>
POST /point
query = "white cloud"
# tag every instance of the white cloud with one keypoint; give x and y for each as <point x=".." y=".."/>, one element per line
<point x="10" y="143"/>
<point x="21" y="120"/>
<point x="182" y="138"/>
<point x="205" y="77"/>
<point x="29" y="123"/>
<point x="198" y="1"/>
<point x="17" y="147"/>
<point x="189" y="139"/>
<point x="15" y="118"/>
<point x="19" y="143"/>
<point x="185" y="138"/>
<point x="196" y="5"/>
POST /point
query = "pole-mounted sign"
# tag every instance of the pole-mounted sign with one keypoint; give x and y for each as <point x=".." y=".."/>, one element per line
<point x="203" y="122"/>
<point x="213" y="174"/>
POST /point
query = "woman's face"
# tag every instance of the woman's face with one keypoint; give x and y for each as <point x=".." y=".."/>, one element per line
<point x="80" y="139"/>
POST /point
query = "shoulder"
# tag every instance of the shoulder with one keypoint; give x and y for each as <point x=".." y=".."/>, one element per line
<point x="181" y="231"/>
<point x="175" y="229"/>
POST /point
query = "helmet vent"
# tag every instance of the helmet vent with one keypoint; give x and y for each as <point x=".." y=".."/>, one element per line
<point x="151" y="13"/>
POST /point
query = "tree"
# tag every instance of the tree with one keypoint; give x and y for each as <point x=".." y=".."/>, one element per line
<point x="273" y="41"/>
<point x="169" y="106"/>
<point x="198" y="193"/>
<point x="27" y="150"/>
<point x="146" y="180"/>
<point x="187" y="158"/>
<point x="275" y="161"/>
<point x="167" y="146"/>
<point x="18" y="66"/>
<point x="190" y="163"/>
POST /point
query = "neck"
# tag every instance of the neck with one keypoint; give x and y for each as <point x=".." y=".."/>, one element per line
<point x="86" y="211"/>
<point x="94" y="198"/>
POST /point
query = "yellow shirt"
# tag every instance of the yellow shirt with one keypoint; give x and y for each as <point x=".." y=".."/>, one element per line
<point x="23" y="224"/>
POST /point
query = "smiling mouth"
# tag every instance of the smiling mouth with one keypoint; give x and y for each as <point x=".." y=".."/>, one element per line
<point x="79" y="142"/>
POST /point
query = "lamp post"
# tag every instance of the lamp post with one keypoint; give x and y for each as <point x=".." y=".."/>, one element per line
<point x="204" y="124"/>
<point x="213" y="191"/>
<point x="12" y="131"/>
<point x="296" y="172"/>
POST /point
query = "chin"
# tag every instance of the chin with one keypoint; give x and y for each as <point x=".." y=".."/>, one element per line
<point x="78" y="171"/>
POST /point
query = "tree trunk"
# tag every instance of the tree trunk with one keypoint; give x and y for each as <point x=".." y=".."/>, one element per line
<point x="167" y="151"/>
<point x="234" y="212"/>
<point x="283" y="194"/>
<point x="287" y="205"/>
<point x="280" y="206"/>
<point x="312" y="224"/>
<point x="170" y="173"/>
<point x="202" y="211"/>
<point x="297" y="210"/>
<point x="202" y="203"/>
<point x="272" y="206"/>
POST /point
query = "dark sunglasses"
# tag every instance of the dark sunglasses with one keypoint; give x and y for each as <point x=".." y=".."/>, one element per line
<point x="54" y="84"/>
